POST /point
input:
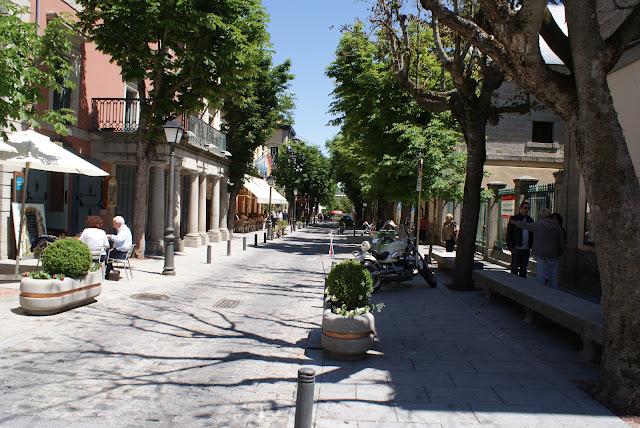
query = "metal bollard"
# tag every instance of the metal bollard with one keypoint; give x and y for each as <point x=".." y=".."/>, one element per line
<point x="354" y="233"/>
<point x="265" y="237"/>
<point x="209" y="251"/>
<point x="304" y="398"/>
<point x="244" y="243"/>
<point x="255" y="240"/>
<point x="229" y="247"/>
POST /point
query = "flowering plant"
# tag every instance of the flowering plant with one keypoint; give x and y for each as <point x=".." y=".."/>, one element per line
<point x="349" y="288"/>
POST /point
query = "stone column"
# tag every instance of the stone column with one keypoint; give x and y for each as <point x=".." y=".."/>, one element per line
<point x="193" y="238"/>
<point x="202" y="211"/>
<point x="224" y="209"/>
<point x="155" y="245"/>
<point x="493" y="216"/>
<point x="214" y="232"/>
<point x="521" y="185"/>
<point x="177" y="213"/>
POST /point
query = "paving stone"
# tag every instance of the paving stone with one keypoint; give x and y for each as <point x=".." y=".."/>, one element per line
<point x="484" y="380"/>
<point x="453" y="415"/>
<point x="357" y="411"/>
<point x="535" y="396"/>
<point x="462" y="395"/>
<point x="444" y="366"/>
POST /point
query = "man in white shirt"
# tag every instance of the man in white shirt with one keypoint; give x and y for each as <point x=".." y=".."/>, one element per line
<point x="122" y="241"/>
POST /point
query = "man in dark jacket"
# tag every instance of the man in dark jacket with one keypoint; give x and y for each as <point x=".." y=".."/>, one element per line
<point x="520" y="241"/>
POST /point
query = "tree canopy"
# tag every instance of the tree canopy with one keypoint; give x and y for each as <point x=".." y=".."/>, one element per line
<point x="30" y="63"/>
<point x="384" y="130"/>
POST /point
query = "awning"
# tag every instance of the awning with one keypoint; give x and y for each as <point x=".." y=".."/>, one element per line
<point x="260" y="189"/>
<point x="506" y="174"/>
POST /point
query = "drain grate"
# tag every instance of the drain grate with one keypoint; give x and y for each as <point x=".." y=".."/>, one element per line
<point x="150" y="296"/>
<point x="226" y="303"/>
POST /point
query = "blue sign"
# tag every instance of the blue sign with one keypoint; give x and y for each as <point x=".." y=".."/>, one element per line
<point x="19" y="183"/>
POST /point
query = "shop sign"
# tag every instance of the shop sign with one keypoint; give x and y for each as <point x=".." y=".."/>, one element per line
<point x="508" y="206"/>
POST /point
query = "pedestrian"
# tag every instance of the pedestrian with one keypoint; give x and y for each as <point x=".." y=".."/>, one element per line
<point x="95" y="238"/>
<point x="122" y="242"/>
<point x="549" y="245"/>
<point x="449" y="233"/>
<point x="519" y="242"/>
<point x="280" y="216"/>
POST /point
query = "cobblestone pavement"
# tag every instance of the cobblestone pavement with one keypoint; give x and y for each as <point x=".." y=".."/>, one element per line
<point x="225" y="347"/>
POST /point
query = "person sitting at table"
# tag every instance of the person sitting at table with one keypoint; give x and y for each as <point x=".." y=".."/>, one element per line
<point x="95" y="238"/>
<point x="122" y="242"/>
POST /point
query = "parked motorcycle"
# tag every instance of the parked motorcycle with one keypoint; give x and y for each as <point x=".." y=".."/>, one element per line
<point x="398" y="260"/>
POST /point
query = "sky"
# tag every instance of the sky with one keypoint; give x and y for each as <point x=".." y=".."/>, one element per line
<point x="307" y="32"/>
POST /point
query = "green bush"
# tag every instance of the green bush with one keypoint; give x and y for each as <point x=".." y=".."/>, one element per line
<point x="68" y="257"/>
<point x="281" y="224"/>
<point x="349" y="287"/>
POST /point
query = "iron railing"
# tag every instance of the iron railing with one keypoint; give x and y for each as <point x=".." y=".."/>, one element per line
<point x="123" y="115"/>
<point x="116" y="114"/>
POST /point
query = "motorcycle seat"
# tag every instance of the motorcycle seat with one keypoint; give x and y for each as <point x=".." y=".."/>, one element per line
<point x="380" y="256"/>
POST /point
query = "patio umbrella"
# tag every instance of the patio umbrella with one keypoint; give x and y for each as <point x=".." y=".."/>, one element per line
<point x="37" y="151"/>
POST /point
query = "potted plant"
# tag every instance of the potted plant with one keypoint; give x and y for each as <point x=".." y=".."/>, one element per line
<point x="283" y="227"/>
<point x="348" y="324"/>
<point x="68" y="279"/>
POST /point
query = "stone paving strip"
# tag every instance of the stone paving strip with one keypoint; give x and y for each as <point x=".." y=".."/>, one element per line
<point x="223" y="350"/>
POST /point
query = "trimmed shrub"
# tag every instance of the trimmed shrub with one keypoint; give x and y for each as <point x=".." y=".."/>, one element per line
<point x="68" y="257"/>
<point x="349" y="287"/>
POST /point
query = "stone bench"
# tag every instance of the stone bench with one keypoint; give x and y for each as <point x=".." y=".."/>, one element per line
<point x="572" y="312"/>
<point x="446" y="261"/>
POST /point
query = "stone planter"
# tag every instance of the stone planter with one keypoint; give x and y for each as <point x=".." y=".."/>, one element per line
<point x="50" y="296"/>
<point x="347" y="338"/>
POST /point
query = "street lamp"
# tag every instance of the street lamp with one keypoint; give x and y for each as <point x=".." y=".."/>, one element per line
<point x="173" y="133"/>
<point x="270" y="220"/>
<point x="295" y="202"/>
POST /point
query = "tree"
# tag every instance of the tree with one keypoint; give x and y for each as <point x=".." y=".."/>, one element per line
<point x="29" y="64"/>
<point x="384" y="130"/>
<point x="510" y="33"/>
<point x="465" y="87"/>
<point x="260" y="102"/>
<point x="303" y="167"/>
<point x="181" y="54"/>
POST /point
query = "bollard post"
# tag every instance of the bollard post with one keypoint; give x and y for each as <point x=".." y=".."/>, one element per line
<point x="244" y="243"/>
<point x="265" y="237"/>
<point x="304" y="398"/>
<point x="209" y="250"/>
<point x="229" y="247"/>
<point x="354" y="233"/>
<point x="255" y="240"/>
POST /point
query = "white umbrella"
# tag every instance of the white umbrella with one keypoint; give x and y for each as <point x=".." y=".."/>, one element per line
<point x="37" y="151"/>
<point x="4" y="147"/>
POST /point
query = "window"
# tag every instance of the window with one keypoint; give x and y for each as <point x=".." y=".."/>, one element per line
<point x="61" y="99"/>
<point x="542" y="132"/>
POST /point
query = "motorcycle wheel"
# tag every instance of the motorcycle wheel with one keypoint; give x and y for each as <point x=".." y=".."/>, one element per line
<point x="377" y="279"/>
<point x="429" y="276"/>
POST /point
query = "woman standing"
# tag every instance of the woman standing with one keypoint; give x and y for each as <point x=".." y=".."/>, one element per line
<point x="449" y="233"/>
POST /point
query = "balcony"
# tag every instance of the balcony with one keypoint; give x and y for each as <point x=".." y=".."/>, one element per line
<point x="121" y="115"/>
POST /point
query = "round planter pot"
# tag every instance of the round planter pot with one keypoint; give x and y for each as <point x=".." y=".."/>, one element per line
<point x="347" y="338"/>
<point x="50" y="296"/>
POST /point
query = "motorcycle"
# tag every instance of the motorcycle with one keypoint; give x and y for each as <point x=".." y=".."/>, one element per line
<point x="398" y="260"/>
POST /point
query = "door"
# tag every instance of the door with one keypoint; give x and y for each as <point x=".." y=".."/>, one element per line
<point x="126" y="176"/>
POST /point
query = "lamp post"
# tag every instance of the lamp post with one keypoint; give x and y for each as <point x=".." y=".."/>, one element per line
<point x="295" y="203"/>
<point x="173" y="133"/>
<point x="270" y="220"/>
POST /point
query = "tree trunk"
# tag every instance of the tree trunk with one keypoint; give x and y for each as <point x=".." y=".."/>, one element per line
<point x="613" y="193"/>
<point x="231" y="214"/>
<point x="141" y="199"/>
<point x="476" y="156"/>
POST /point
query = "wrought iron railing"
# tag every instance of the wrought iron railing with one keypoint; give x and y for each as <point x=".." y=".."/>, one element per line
<point x="200" y="134"/>
<point x="116" y="114"/>
<point x="123" y="115"/>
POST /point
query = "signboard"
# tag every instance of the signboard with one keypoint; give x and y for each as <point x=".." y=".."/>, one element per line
<point x="33" y="227"/>
<point x="508" y="206"/>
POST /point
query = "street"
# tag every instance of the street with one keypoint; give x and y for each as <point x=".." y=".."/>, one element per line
<point x="220" y="345"/>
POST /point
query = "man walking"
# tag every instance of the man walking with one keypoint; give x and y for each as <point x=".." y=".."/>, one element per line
<point x="520" y="241"/>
